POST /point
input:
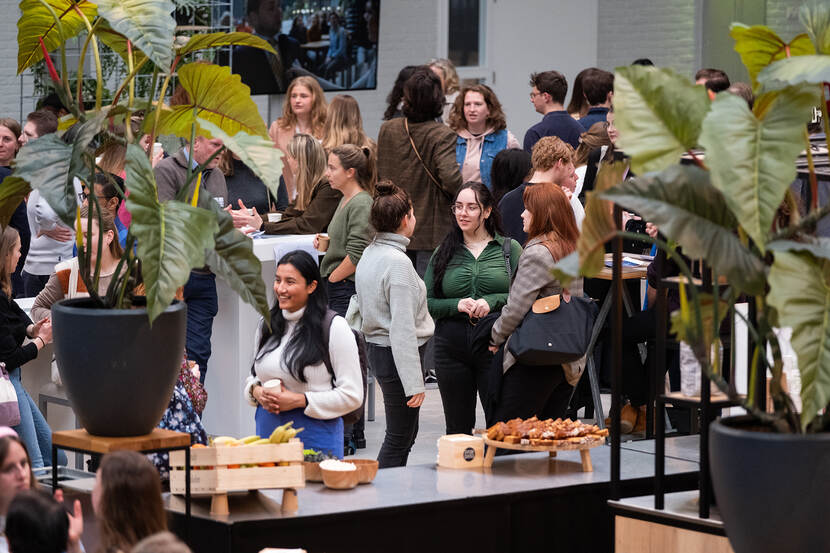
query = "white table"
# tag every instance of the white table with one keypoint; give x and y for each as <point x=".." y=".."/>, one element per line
<point x="232" y="343"/>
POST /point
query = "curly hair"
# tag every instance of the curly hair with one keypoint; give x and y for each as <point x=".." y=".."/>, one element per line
<point x="447" y="68"/>
<point x="495" y="120"/>
<point x="548" y="150"/>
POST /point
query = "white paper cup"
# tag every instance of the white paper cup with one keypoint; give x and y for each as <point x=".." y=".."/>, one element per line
<point x="273" y="383"/>
<point x="274" y="217"/>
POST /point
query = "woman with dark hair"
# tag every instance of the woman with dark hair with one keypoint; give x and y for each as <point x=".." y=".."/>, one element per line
<point x="478" y="119"/>
<point x="510" y="169"/>
<point x="393" y="100"/>
<point x="292" y="350"/>
<point x="527" y="390"/>
<point x="578" y="106"/>
<point x="418" y="153"/>
<point x="392" y="302"/>
<point x="126" y="499"/>
<point x="467" y="283"/>
<point x="351" y="172"/>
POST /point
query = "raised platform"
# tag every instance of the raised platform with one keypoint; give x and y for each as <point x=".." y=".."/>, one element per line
<point x="526" y="502"/>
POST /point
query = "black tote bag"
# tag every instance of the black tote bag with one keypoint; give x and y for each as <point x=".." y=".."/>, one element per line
<point x="554" y="332"/>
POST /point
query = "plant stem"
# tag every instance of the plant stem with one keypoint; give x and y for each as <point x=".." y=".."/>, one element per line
<point x="811" y="166"/>
<point x="190" y="149"/>
<point x="90" y="37"/>
<point x="131" y="96"/>
<point x="129" y="80"/>
<point x="160" y="103"/>
<point x="806" y="223"/>
<point x="64" y="73"/>
<point x="697" y="160"/>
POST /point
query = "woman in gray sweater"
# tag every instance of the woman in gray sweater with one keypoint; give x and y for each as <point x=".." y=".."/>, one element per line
<point x="392" y="302"/>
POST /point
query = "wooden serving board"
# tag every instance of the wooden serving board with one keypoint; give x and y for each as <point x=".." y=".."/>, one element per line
<point x="583" y="448"/>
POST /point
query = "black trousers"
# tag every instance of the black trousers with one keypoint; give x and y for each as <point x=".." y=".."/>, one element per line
<point x="529" y="390"/>
<point x="463" y="365"/>
<point x="401" y="420"/>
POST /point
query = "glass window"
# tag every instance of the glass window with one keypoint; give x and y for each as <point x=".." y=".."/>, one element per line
<point x="465" y="44"/>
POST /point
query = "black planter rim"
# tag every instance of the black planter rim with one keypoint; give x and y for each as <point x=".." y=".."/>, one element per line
<point x="70" y="306"/>
<point x="730" y="427"/>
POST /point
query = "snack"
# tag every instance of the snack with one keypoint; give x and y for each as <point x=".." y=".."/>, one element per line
<point x="334" y="464"/>
<point x="545" y="433"/>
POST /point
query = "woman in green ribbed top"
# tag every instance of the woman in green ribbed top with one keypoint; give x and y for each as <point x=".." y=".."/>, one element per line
<point x="467" y="284"/>
<point x="349" y="171"/>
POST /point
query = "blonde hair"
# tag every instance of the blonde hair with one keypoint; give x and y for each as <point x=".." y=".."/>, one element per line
<point x="344" y="125"/>
<point x="451" y="83"/>
<point x="311" y="161"/>
<point x="318" y="106"/>
<point x="7" y="241"/>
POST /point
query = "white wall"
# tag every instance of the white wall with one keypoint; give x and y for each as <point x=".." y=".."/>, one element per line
<point x="527" y="36"/>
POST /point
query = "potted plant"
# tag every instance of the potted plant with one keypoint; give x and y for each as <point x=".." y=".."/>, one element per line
<point x="119" y="360"/>
<point x="733" y="208"/>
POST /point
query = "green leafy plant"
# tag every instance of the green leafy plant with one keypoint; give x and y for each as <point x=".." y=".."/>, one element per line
<point x="166" y="240"/>
<point x="732" y="207"/>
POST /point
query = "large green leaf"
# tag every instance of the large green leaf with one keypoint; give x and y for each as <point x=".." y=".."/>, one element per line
<point x="759" y="46"/>
<point x="598" y="225"/>
<point x="117" y="42"/>
<point x="216" y="95"/>
<point x="13" y="190"/>
<point x="752" y="159"/>
<point x="148" y="24"/>
<point x="215" y="40"/>
<point x="36" y="21"/>
<point x="794" y="71"/>
<point x="44" y="163"/>
<point x="818" y="246"/>
<point x="684" y="325"/>
<point x="658" y="113"/>
<point x="172" y="236"/>
<point x="233" y="259"/>
<point x="566" y="270"/>
<point x="256" y="152"/>
<point x="689" y="210"/>
<point x="815" y="16"/>
<point x="800" y="292"/>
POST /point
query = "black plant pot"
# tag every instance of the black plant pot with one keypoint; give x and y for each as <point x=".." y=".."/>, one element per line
<point x="119" y="373"/>
<point x="771" y="488"/>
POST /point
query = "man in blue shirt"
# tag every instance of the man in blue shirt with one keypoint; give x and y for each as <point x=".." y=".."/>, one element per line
<point x="598" y="87"/>
<point x="548" y="97"/>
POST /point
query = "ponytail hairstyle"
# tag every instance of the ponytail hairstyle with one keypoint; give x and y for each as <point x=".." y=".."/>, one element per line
<point x="454" y="240"/>
<point x="391" y="205"/>
<point x="362" y="160"/>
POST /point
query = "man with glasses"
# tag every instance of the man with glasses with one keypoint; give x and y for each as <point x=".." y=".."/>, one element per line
<point x="548" y="97"/>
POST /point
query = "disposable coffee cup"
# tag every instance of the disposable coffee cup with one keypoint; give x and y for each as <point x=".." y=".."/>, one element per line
<point x="157" y="148"/>
<point x="322" y="242"/>
<point x="273" y="383"/>
<point x="274" y="217"/>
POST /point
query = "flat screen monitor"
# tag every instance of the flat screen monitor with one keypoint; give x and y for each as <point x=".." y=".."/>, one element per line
<point x="334" y="41"/>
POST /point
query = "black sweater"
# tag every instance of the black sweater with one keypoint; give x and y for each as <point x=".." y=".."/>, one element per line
<point x="13" y="325"/>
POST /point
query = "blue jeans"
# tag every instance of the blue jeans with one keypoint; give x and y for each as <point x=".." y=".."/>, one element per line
<point x="202" y="306"/>
<point x="33" y="428"/>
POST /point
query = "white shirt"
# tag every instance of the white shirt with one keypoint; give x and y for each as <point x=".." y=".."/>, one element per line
<point x="324" y="401"/>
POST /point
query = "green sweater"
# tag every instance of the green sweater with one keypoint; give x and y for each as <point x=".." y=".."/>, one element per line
<point x="468" y="277"/>
<point x="348" y="232"/>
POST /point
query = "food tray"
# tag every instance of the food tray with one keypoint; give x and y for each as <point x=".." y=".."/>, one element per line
<point x="583" y="448"/>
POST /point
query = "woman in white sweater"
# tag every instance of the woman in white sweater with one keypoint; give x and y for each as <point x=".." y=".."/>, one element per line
<point x="292" y="350"/>
<point x="392" y="301"/>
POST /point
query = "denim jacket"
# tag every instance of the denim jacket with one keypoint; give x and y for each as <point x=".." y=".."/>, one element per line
<point x="493" y="144"/>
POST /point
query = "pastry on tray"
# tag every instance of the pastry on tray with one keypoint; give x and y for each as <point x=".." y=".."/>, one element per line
<point x="545" y="433"/>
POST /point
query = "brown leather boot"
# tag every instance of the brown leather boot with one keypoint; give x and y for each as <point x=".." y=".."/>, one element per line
<point x="640" y="426"/>
<point x="628" y="418"/>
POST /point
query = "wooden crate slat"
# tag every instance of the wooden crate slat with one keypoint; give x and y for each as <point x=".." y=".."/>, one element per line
<point x="240" y="455"/>
<point x="229" y="480"/>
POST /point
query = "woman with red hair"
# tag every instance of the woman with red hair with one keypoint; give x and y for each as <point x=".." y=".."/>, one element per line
<point x="528" y="390"/>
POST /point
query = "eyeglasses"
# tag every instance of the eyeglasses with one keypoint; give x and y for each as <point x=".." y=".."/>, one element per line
<point x="472" y="209"/>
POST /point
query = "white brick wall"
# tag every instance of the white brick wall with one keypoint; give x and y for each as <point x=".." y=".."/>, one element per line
<point x="782" y="17"/>
<point x="9" y="82"/>
<point x="662" y="31"/>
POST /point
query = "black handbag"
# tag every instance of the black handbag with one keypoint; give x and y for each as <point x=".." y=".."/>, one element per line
<point x="554" y="332"/>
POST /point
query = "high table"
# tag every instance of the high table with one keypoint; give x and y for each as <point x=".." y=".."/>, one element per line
<point x="524" y="503"/>
<point x="232" y="344"/>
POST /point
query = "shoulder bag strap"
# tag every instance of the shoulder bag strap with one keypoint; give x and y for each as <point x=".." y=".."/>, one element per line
<point x="506" y="248"/>
<point x="417" y="153"/>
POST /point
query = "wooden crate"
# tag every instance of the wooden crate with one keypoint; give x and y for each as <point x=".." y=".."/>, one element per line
<point x="222" y="479"/>
<point x="239" y="455"/>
